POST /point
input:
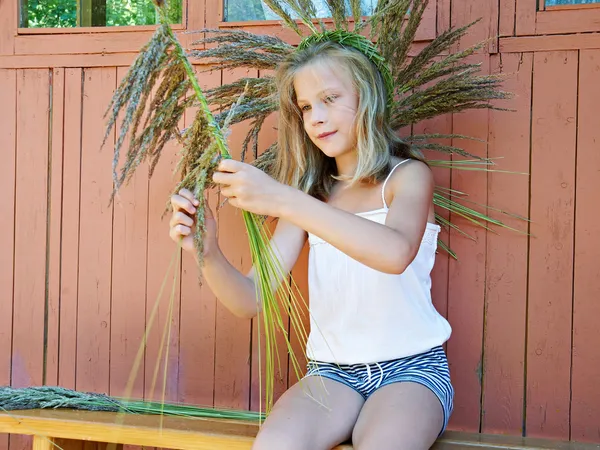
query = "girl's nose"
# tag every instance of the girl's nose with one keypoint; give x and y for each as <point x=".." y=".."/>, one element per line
<point x="318" y="115"/>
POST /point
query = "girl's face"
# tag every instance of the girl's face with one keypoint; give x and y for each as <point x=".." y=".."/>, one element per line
<point x="328" y="102"/>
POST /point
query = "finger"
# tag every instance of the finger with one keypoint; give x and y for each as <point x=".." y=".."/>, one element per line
<point x="182" y="230"/>
<point x="181" y="218"/>
<point x="223" y="178"/>
<point x="228" y="192"/>
<point x="181" y="203"/>
<point x="230" y="165"/>
<point x="187" y="194"/>
<point x="179" y="231"/>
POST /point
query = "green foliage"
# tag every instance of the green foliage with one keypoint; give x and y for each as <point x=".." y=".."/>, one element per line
<point x="64" y="13"/>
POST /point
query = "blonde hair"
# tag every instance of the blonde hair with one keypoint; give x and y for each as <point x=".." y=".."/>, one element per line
<point x="299" y="162"/>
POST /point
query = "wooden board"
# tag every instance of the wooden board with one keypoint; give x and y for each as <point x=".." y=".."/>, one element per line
<point x="128" y="298"/>
<point x="8" y="135"/>
<point x="525" y="17"/>
<point x="267" y="137"/>
<point x="69" y="285"/>
<point x="8" y="27"/>
<point x="162" y="354"/>
<point x="439" y="275"/>
<point x="550" y="287"/>
<point x="198" y="308"/>
<point x="506" y="13"/>
<point x="211" y="434"/>
<point x="506" y="261"/>
<point x="585" y="397"/>
<point x="233" y="334"/>
<point x="467" y="280"/>
<point x="54" y="226"/>
<point x="95" y="237"/>
<point x="30" y="236"/>
<point x="29" y="309"/>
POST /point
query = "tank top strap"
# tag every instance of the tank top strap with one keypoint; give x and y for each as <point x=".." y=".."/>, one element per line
<point x="386" y="180"/>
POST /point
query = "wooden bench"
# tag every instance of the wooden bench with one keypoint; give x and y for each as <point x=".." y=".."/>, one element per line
<point x="69" y="428"/>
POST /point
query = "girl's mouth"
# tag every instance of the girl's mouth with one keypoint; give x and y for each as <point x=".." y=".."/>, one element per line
<point x="325" y="135"/>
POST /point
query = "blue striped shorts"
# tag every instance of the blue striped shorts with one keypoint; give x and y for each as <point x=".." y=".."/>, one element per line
<point x="429" y="369"/>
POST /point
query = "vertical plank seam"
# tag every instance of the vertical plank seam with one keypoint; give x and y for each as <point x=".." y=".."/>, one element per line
<point x="79" y="221"/>
<point x="485" y="272"/>
<point x="577" y="96"/>
<point x="60" y="228"/>
<point x="14" y="249"/>
<point x="48" y="222"/>
<point x="112" y="243"/>
<point x="526" y="346"/>
<point x="217" y="214"/>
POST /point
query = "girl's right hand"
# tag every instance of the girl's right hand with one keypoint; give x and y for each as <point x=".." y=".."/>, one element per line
<point x="183" y="222"/>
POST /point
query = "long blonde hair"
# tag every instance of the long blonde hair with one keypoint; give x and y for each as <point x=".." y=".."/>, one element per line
<point x="299" y="162"/>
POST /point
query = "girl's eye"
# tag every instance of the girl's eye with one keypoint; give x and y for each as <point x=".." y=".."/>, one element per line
<point x="305" y="108"/>
<point x="330" y="98"/>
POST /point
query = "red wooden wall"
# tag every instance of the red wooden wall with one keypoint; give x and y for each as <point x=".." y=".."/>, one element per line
<point x="79" y="277"/>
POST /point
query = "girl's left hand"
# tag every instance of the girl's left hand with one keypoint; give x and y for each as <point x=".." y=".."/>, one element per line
<point x="249" y="188"/>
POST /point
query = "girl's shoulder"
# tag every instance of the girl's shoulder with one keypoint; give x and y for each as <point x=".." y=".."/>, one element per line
<point x="405" y="174"/>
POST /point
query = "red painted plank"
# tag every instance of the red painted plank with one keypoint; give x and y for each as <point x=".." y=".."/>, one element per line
<point x="439" y="276"/>
<point x="95" y="244"/>
<point x="300" y="274"/>
<point x="507" y="17"/>
<point x="443" y="16"/>
<point x="8" y="27"/>
<point x="233" y="335"/>
<point x="128" y="305"/>
<point x="55" y="218"/>
<point x="160" y="253"/>
<point x="70" y="228"/>
<point x="506" y="285"/>
<point x="30" y="235"/>
<point x="550" y="293"/>
<point x="467" y="279"/>
<point x="525" y="17"/>
<point x="8" y="128"/>
<point x="464" y="13"/>
<point x="198" y="307"/>
<point x="267" y="137"/>
<point x="585" y="400"/>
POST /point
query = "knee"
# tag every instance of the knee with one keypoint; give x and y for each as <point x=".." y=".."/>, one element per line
<point x="272" y="439"/>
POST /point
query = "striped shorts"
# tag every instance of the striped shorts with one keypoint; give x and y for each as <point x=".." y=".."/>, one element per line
<point x="429" y="369"/>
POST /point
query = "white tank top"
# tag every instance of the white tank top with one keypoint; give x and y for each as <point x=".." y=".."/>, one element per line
<point x="361" y="315"/>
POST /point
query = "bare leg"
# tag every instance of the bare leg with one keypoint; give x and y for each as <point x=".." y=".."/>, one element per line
<point x="404" y="416"/>
<point x="299" y="422"/>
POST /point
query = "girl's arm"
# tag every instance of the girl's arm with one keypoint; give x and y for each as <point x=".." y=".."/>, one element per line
<point x="389" y="248"/>
<point x="236" y="291"/>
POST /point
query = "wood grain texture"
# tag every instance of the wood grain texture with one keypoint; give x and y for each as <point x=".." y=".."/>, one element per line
<point x="8" y="136"/>
<point x="198" y="309"/>
<point x="95" y="237"/>
<point x="128" y="297"/>
<point x="8" y="27"/>
<point x="550" y="290"/>
<point x="506" y="261"/>
<point x="233" y="334"/>
<point x="69" y="286"/>
<point x="30" y="233"/>
<point x="466" y="288"/>
<point x="585" y="397"/>
<point x="54" y="225"/>
<point x="525" y="17"/>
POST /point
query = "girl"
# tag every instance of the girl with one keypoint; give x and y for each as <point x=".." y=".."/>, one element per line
<point x="346" y="182"/>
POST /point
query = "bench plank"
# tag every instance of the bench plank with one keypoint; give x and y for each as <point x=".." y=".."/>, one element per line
<point x="207" y="433"/>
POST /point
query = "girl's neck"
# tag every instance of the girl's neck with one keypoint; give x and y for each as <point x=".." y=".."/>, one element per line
<point x="346" y="164"/>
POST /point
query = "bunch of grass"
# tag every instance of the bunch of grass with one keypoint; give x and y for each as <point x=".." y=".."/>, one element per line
<point x="164" y="63"/>
<point x="435" y="81"/>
